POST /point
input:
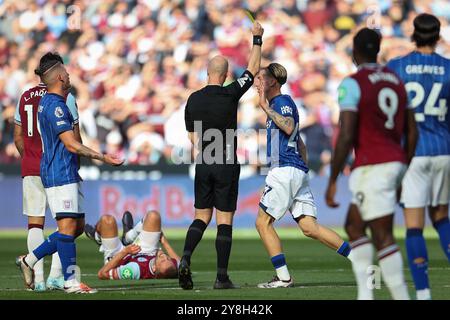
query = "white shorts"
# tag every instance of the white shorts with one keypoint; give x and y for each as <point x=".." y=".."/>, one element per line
<point x="287" y="188"/>
<point x="34" y="198"/>
<point x="153" y="243"/>
<point x="427" y="182"/>
<point x="65" y="201"/>
<point x="374" y="188"/>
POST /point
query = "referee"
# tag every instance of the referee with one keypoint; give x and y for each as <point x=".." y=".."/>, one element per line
<point x="210" y="116"/>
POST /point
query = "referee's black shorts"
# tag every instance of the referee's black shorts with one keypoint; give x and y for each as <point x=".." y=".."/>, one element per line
<point x="216" y="186"/>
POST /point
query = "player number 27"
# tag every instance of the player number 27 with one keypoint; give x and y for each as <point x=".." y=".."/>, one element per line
<point x="388" y="103"/>
<point x="430" y="108"/>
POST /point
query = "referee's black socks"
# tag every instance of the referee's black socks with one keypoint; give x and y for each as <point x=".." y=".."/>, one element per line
<point x="223" y="247"/>
<point x="193" y="237"/>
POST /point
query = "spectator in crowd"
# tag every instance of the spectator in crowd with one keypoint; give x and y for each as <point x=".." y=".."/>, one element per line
<point x="134" y="63"/>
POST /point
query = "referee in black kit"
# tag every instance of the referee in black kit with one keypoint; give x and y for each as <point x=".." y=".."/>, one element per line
<point x="210" y="116"/>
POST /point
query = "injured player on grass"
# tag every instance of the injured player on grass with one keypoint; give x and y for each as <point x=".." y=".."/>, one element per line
<point x="138" y="255"/>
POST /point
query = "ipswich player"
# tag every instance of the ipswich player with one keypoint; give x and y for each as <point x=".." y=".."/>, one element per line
<point x="59" y="174"/>
<point x="374" y="119"/>
<point x="426" y="75"/>
<point x="287" y="183"/>
<point x="29" y="145"/>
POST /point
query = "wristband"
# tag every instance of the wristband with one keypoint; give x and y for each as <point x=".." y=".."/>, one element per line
<point x="257" y="40"/>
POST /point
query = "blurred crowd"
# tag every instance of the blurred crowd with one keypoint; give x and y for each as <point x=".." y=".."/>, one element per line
<point x="133" y="63"/>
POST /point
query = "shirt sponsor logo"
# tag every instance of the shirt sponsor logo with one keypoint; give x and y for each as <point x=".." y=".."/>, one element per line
<point x="59" y="113"/>
<point x="126" y="273"/>
<point x="342" y="91"/>
<point x="286" y="109"/>
<point x="60" y="123"/>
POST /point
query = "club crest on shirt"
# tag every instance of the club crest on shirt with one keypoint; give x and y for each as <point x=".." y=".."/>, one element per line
<point x="67" y="204"/>
<point x="59" y="113"/>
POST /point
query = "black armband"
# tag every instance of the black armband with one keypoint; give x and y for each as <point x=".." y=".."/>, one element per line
<point x="257" y="40"/>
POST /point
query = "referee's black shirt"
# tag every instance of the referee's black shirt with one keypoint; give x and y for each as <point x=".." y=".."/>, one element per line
<point x="216" y="108"/>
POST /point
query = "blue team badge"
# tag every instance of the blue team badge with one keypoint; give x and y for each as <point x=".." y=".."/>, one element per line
<point x="59" y="113"/>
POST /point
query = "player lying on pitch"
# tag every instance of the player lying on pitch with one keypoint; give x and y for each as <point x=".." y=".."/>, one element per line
<point x="142" y="257"/>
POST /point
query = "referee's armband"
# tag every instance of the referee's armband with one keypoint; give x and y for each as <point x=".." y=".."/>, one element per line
<point x="257" y="40"/>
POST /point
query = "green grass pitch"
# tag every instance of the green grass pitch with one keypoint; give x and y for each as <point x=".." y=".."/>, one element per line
<point x="319" y="273"/>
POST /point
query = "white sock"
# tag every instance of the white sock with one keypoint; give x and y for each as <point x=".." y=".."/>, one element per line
<point x="35" y="239"/>
<point x="56" y="268"/>
<point x="424" y="294"/>
<point x="111" y="246"/>
<point x="361" y="257"/>
<point x="149" y="241"/>
<point x="391" y="264"/>
<point x="283" y="273"/>
<point x="134" y="233"/>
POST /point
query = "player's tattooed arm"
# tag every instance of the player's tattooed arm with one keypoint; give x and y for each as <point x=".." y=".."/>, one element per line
<point x="18" y="139"/>
<point x="284" y="123"/>
<point x="84" y="151"/>
<point x="104" y="272"/>
<point x="68" y="138"/>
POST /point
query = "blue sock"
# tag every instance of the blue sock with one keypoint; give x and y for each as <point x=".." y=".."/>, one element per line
<point x="48" y="247"/>
<point x="417" y="258"/>
<point x="443" y="228"/>
<point x="68" y="255"/>
<point x="344" y="249"/>
<point x="278" y="261"/>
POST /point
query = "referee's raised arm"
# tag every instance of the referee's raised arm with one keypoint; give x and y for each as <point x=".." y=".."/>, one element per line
<point x="255" y="56"/>
<point x="245" y="81"/>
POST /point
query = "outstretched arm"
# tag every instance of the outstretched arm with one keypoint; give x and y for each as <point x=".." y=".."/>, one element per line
<point x="71" y="143"/>
<point x="254" y="62"/>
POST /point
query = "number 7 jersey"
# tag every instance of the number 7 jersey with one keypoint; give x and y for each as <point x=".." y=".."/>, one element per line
<point x="427" y="81"/>
<point x="379" y="97"/>
<point x="26" y="117"/>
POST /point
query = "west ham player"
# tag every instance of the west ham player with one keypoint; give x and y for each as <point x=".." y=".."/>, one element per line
<point x="426" y="75"/>
<point x="29" y="145"/>
<point x="287" y="184"/>
<point x="59" y="174"/>
<point x="143" y="257"/>
<point x="374" y="119"/>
